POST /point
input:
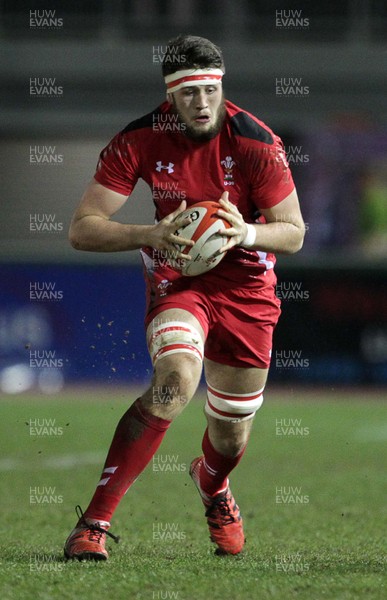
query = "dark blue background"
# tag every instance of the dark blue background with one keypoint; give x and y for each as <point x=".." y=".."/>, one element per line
<point x="97" y="327"/>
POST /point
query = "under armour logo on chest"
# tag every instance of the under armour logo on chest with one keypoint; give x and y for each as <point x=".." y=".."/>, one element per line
<point x="169" y="167"/>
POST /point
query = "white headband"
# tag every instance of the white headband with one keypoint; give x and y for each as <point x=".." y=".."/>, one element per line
<point x="189" y="77"/>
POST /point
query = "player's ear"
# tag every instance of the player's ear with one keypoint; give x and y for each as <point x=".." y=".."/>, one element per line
<point x="169" y="98"/>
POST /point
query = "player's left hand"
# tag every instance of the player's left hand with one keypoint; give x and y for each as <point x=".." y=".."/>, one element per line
<point x="238" y="230"/>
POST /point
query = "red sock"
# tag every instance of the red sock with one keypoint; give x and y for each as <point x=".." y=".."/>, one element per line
<point x="136" y="439"/>
<point x="215" y="467"/>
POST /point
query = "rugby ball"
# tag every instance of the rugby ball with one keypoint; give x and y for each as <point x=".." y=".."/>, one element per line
<point x="204" y="231"/>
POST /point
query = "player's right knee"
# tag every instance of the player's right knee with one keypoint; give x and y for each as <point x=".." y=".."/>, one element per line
<point x="174" y="338"/>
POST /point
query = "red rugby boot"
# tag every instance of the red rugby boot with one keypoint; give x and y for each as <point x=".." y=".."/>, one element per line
<point x="223" y="516"/>
<point x="87" y="539"/>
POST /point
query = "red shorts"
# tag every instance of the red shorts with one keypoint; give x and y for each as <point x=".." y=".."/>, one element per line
<point x="238" y="323"/>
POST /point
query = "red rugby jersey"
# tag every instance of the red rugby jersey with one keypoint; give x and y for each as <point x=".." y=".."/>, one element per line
<point x="246" y="159"/>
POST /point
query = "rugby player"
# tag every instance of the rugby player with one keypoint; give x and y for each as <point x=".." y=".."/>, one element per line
<point x="223" y="319"/>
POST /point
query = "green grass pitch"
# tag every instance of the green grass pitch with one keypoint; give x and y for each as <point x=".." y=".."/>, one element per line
<point x="311" y="488"/>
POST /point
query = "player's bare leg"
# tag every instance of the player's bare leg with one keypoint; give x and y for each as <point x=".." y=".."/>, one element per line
<point x="175" y="341"/>
<point x="234" y="395"/>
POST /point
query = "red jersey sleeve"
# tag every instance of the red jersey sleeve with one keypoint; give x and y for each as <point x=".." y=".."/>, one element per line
<point x="271" y="178"/>
<point x="118" y="165"/>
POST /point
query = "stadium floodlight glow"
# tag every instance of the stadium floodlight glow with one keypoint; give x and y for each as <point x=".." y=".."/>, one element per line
<point x="16" y="379"/>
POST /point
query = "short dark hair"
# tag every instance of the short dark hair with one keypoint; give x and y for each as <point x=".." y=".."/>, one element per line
<point x="191" y="52"/>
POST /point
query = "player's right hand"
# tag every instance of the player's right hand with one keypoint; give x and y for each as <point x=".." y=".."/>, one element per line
<point x="165" y="234"/>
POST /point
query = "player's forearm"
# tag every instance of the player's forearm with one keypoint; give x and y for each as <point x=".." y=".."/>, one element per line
<point x="97" y="234"/>
<point x="279" y="237"/>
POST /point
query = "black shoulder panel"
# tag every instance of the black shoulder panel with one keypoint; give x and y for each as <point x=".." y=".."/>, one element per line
<point x="142" y="122"/>
<point x="245" y="126"/>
